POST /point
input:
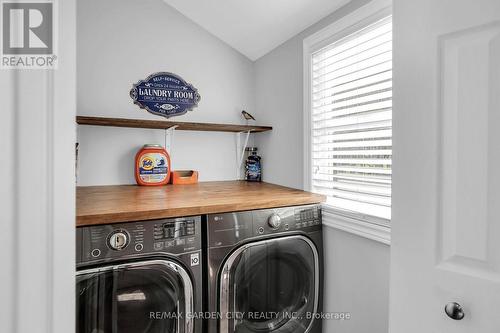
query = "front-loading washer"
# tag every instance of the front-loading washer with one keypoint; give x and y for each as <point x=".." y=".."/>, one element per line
<point x="265" y="271"/>
<point x="139" y="277"/>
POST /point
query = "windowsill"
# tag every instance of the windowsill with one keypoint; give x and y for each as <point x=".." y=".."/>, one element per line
<point x="376" y="232"/>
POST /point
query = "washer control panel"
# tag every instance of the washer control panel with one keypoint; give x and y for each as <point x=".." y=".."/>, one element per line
<point x="105" y="242"/>
<point x="174" y="229"/>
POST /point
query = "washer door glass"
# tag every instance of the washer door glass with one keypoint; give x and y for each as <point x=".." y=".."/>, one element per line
<point x="147" y="297"/>
<point x="270" y="286"/>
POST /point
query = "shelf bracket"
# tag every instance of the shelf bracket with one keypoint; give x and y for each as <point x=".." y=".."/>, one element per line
<point x="169" y="139"/>
<point x="240" y="151"/>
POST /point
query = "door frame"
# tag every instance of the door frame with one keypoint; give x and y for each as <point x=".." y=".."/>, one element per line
<point x="38" y="203"/>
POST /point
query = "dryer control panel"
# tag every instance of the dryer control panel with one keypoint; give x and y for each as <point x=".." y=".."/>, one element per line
<point x="230" y="228"/>
<point x="116" y="241"/>
<point x="300" y="218"/>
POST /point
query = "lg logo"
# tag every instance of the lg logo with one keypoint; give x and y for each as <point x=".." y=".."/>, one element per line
<point x="28" y="34"/>
<point x="27" y="28"/>
<point x="195" y="259"/>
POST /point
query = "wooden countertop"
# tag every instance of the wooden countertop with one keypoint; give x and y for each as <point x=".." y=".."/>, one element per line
<point x="122" y="203"/>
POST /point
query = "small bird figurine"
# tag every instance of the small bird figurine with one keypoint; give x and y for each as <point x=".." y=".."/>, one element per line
<point x="247" y="115"/>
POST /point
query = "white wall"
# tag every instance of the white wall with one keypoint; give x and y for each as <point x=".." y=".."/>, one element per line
<point x="135" y="39"/>
<point x="357" y="269"/>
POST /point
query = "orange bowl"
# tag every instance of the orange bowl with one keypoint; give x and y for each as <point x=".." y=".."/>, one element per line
<point x="184" y="177"/>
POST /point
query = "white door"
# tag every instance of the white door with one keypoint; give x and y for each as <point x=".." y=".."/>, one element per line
<point x="446" y="177"/>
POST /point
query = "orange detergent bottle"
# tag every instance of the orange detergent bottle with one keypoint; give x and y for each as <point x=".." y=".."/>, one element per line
<point x="152" y="165"/>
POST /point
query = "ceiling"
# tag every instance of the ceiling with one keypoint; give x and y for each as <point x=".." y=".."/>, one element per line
<point x="255" y="27"/>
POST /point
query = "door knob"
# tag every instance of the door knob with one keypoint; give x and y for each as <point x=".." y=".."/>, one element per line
<point x="454" y="311"/>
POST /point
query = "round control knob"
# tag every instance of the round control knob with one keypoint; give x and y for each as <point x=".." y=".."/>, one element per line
<point x="139" y="247"/>
<point x="454" y="311"/>
<point x="274" y="221"/>
<point x="118" y="240"/>
<point x="95" y="253"/>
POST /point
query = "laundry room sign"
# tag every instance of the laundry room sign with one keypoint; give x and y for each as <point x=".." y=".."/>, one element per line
<point x="165" y="94"/>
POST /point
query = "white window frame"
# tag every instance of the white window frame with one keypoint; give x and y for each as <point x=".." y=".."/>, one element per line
<point x="365" y="15"/>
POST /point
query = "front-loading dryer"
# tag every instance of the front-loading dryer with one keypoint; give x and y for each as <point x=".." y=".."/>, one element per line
<point x="265" y="271"/>
<point x="139" y="277"/>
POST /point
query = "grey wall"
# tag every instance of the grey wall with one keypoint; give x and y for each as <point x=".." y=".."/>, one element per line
<point x="357" y="269"/>
<point x="279" y="101"/>
<point x="356" y="281"/>
<point x="122" y="41"/>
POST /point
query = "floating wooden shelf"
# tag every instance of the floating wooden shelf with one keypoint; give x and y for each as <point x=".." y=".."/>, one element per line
<point x="165" y="124"/>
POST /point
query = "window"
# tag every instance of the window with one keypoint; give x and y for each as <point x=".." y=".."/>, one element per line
<point x="350" y="129"/>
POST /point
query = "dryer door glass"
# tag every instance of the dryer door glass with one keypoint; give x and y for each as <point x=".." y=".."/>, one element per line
<point x="270" y="286"/>
<point x="134" y="298"/>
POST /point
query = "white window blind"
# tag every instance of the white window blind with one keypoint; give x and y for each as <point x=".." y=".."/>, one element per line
<point x="351" y="109"/>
